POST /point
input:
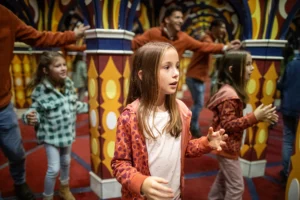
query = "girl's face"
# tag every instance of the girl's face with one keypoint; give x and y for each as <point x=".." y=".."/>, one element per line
<point x="249" y="67"/>
<point x="168" y="73"/>
<point x="58" y="70"/>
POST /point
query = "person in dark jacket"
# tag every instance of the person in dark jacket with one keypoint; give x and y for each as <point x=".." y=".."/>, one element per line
<point x="290" y="108"/>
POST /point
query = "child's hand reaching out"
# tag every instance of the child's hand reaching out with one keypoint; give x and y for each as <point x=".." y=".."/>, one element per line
<point x="31" y="118"/>
<point x="216" y="139"/>
<point x="154" y="188"/>
<point x="266" y="113"/>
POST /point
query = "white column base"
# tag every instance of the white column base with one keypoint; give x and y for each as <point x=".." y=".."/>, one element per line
<point x="105" y="189"/>
<point x="253" y="169"/>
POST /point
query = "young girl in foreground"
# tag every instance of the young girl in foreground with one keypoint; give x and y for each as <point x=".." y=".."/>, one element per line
<point x="227" y="105"/>
<point x="153" y="130"/>
<point x="53" y="113"/>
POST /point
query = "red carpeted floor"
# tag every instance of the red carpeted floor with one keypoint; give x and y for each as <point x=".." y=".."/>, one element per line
<point x="36" y="164"/>
<point x="199" y="172"/>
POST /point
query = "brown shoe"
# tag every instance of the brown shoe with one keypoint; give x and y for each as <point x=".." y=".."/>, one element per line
<point x="65" y="193"/>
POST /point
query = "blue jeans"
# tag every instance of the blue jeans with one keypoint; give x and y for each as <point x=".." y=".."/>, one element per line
<point x="58" y="160"/>
<point x="289" y="136"/>
<point x="196" y="88"/>
<point x="11" y="144"/>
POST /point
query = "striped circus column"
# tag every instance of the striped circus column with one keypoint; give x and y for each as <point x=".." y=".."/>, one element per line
<point x="292" y="190"/>
<point x="108" y="58"/>
<point x="261" y="88"/>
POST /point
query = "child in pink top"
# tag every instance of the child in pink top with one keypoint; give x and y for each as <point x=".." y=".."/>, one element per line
<point x="227" y="105"/>
<point x="153" y="130"/>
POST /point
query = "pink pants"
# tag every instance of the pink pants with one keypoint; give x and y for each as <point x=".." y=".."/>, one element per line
<point x="229" y="183"/>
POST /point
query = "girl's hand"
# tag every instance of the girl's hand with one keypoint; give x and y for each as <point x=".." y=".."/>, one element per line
<point x="216" y="139"/>
<point x="153" y="188"/>
<point x="266" y="113"/>
<point x="272" y="118"/>
<point x="31" y="118"/>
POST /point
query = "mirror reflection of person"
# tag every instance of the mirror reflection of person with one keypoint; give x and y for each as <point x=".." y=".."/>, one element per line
<point x="72" y="23"/>
<point x="13" y="29"/>
<point x="198" y="72"/>
<point x="227" y="105"/>
<point x="170" y="32"/>
<point x="79" y="75"/>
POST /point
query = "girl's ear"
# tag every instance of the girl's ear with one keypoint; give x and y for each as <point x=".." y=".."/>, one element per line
<point x="140" y="73"/>
<point x="45" y="70"/>
<point x="230" y="69"/>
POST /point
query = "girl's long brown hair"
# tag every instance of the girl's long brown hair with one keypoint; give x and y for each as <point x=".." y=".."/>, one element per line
<point x="148" y="59"/>
<point x="235" y="78"/>
<point x="46" y="59"/>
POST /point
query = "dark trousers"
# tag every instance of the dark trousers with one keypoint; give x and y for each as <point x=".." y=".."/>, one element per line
<point x="289" y="136"/>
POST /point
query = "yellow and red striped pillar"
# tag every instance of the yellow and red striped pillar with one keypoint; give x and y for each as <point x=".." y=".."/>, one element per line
<point x="108" y="59"/>
<point x="108" y="78"/>
<point x="265" y="26"/>
<point x="261" y="88"/>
